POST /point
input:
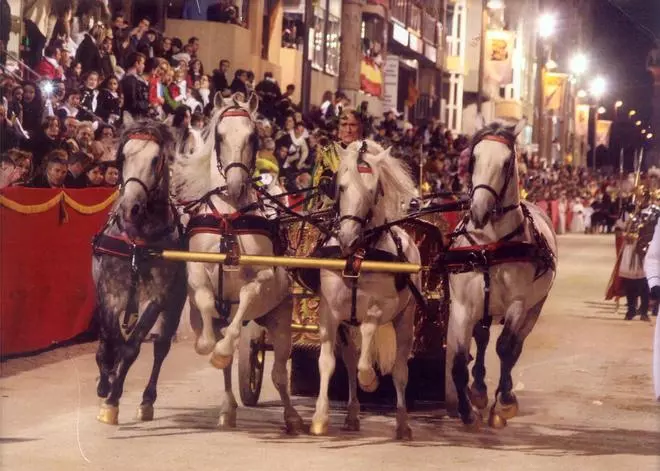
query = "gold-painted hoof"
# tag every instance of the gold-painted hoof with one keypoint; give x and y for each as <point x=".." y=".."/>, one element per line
<point x="351" y="424"/>
<point x="404" y="433"/>
<point x="227" y="420"/>
<point x="508" y="411"/>
<point x="368" y="380"/>
<point x="495" y="420"/>
<point x="145" y="412"/>
<point x="108" y="414"/>
<point x="220" y="362"/>
<point x="479" y="399"/>
<point x="319" y="428"/>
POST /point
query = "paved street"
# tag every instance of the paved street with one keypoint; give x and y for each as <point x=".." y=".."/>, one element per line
<point x="583" y="383"/>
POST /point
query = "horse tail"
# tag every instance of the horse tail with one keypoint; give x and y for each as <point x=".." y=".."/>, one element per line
<point x="385" y="343"/>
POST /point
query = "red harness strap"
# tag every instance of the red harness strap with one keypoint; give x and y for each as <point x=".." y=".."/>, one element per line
<point x="118" y="246"/>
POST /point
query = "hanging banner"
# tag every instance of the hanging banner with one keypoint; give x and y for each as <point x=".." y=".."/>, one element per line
<point x="499" y="55"/>
<point x="391" y="82"/>
<point x="554" y="88"/>
<point x="581" y="120"/>
<point x="603" y="127"/>
<point x="371" y="77"/>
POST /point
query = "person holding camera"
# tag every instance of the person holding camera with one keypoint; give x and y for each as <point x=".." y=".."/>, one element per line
<point x="652" y="270"/>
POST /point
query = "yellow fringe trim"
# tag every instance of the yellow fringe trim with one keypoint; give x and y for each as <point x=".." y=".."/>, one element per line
<point x="51" y="203"/>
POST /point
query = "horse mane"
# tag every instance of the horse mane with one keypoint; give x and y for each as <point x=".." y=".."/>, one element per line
<point x="157" y="130"/>
<point x="393" y="175"/>
<point x="191" y="178"/>
<point x="495" y="128"/>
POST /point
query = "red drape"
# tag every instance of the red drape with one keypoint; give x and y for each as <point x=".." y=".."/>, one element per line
<point x="46" y="289"/>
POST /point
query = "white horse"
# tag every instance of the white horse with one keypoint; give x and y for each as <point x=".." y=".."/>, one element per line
<point x="218" y="175"/>
<point x="519" y="280"/>
<point x="372" y="187"/>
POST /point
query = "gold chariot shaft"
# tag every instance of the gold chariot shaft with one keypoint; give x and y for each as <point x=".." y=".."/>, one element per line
<point x="289" y="262"/>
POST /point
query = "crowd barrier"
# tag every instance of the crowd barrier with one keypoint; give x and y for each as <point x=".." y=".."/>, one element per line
<point x="46" y="289"/>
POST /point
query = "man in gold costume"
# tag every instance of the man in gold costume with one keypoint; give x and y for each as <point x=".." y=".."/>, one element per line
<point x="327" y="161"/>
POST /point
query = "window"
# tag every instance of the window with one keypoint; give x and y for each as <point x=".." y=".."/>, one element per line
<point x="327" y="31"/>
<point x="428" y="29"/>
<point x="415" y="18"/>
<point x="399" y="10"/>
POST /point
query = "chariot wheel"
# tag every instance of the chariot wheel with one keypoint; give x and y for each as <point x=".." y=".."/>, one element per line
<point x="251" y="365"/>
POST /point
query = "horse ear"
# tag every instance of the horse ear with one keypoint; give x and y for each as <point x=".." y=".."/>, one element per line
<point x="385" y="154"/>
<point x="218" y="99"/>
<point x="253" y="103"/>
<point x="520" y="125"/>
<point x="128" y="119"/>
<point x="479" y="122"/>
<point x="342" y="153"/>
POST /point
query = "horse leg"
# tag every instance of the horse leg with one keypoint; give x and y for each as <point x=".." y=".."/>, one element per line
<point x="202" y="306"/>
<point x="278" y="323"/>
<point x="105" y="359"/>
<point x="517" y="326"/>
<point x="266" y="283"/>
<point x="162" y="345"/>
<point x="404" y="331"/>
<point x="365" y="368"/>
<point x="125" y="356"/>
<point x="228" y="405"/>
<point x="327" y="332"/>
<point x="479" y="391"/>
<point x="458" y="341"/>
<point x="349" y="356"/>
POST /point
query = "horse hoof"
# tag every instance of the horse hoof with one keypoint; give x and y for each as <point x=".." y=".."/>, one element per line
<point x="474" y="422"/>
<point x="495" y="420"/>
<point x="108" y="414"/>
<point x="368" y="380"/>
<point x="145" y="412"/>
<point x="508" y="411"/>
<point x="478" y="398"/>
<point x="220" y="362"/>
<point x="318" y="427"/>
<point x="227" y="420"/>
<point x="404" y="433"/>
<point x="203" y="348"/>
<point x="351" y="424"/>
<point x="294" y="425"/>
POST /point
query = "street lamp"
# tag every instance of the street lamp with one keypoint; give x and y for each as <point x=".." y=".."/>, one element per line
<point x="581" y="93"/>
<point x="579" y="64"/>
<point x="597" y="88"/>
<point x="547" y="25"/>
<point x="601" y="110"/>
<point x="632" y="113"/>
<point x="638" y="123"/>
<point x="618" y="104"/>
<point x="649" y="136"/>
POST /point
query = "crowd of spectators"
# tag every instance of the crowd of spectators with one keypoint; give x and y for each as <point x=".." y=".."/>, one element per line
<point x="61" y="130"/>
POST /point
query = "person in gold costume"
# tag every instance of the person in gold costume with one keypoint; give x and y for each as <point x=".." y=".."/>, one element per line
<point x="327" y="161"/>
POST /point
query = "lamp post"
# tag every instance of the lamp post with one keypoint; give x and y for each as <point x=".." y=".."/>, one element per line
<point x="597" y="89"/>
<point x="546" y="28"/>
<point x="578" y="66"/>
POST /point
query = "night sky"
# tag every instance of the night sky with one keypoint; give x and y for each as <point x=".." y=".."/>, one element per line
<point x="624" y="32"/>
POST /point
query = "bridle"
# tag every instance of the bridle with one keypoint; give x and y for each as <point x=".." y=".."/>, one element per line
<point x="145" y="136"/>
<point x="362" y="167"/>
<point x="233" y="112"/>
<point x="509" y="167"/>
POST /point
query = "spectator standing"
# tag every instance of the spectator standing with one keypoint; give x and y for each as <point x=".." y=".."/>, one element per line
<point x="135" y="88"/>
<point x="219" y="76"/>
<point x="49" y="66"/>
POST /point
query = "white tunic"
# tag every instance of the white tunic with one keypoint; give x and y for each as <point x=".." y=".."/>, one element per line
<point x="652" y="269"/>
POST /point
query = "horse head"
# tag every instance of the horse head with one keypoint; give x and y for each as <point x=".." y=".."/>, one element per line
<point x="236" y="141"/>
<point x="144" y="154"/>
<point x="371" y="186"/>
<point x="493" y="172"/>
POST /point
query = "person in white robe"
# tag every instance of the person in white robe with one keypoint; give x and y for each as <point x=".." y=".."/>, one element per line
<point x="652" y="270"/>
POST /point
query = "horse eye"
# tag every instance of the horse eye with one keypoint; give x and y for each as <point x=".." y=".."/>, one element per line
<point x="342" y="188"/>
<point x="154" y="161"/>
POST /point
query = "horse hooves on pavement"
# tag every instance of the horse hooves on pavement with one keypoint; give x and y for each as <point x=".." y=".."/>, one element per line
<point x="508" y="411"/>
<point x="404" y="433"/>
<point x="478" y="398"/>
<point x="145" y="412"/>
<point x="108" y="415"/>
<point x="318" y="428"/>
<point x="227" y="420"/>
<point x="351" y="425"/>
<point x="220" y="362"/>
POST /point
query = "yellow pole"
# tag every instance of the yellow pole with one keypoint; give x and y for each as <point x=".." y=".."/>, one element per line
<point x="288" y="262"/>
